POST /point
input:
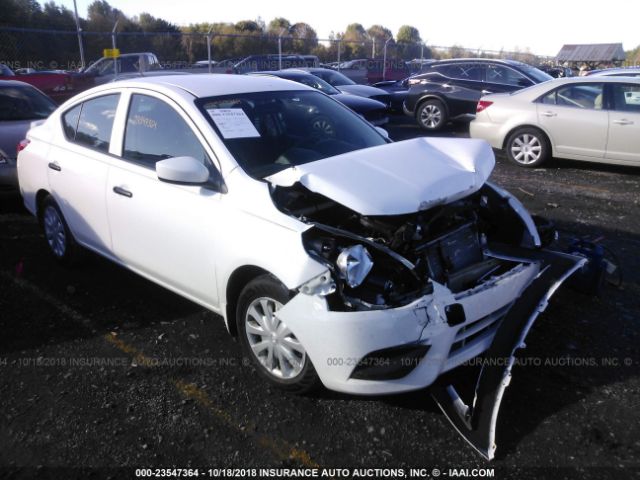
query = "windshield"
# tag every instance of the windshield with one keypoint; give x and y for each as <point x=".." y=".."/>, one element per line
<point x="334" y="78"/>
<point x="535" y="73"/>
<point x="315" y="82"/>
<point x="24" y="103"/>
<point x="267" y="132"/>
<point x="104" y="66"/>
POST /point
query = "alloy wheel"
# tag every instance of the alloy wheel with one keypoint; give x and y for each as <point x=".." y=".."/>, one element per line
<point x="431" y="116"/>
<point x="526" y="149"/>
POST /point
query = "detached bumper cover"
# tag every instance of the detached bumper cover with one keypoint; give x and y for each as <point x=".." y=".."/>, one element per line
<point x="476" y="420"/>
<point x="338" y="341"/>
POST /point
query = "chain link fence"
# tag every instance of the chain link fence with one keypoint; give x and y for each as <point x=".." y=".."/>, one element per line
<point x="41" y="49"/>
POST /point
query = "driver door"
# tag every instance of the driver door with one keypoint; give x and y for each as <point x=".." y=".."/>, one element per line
<point x="162" y="230"/>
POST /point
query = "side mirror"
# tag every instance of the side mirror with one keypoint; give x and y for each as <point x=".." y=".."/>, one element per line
<point x="182" y="170"/>
<point x="382" y="132"/>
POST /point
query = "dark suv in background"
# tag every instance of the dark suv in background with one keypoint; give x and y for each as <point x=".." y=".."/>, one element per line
<point x="450" y="89"/>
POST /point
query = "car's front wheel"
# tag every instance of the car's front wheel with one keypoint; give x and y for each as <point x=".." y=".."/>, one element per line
<point x="275" y="351"/>
<point x="528" y="147"/>
<point x="431" y="115"/>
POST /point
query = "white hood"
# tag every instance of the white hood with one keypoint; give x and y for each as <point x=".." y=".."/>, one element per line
<point x="397" y="178"/>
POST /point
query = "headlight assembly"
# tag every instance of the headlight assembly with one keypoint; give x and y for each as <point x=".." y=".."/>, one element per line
<point x="354" y="264"/>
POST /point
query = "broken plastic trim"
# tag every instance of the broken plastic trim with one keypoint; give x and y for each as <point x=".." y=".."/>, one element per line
<point x="476" y="421"/>
<point x="523" y="213"/>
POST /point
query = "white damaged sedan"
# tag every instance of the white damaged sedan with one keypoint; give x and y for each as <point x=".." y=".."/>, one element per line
<point x="333" y="254"/>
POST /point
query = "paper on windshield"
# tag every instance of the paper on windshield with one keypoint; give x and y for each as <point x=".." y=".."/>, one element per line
<point x="233" y="123"/>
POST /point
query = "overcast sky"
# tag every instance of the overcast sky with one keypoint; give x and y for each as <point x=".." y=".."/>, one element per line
<point x="543" y="26"/>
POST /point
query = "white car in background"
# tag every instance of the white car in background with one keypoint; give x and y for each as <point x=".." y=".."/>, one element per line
<point x="595" y="119"/>
<point x="333" y="254"/>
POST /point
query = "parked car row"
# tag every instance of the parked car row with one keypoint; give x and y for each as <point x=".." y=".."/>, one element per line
<point x="373" y="111"/>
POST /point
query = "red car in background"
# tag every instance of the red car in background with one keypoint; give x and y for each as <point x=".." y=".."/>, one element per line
<point x="57" y="84"/>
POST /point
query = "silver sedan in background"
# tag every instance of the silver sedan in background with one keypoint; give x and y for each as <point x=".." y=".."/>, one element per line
<point x="595" y="119"/>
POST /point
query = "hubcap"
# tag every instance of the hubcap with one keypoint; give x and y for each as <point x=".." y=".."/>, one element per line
<point x="273" y="344"/>
<point x="430" y="116"/>
<point x="526" y="148"/>
<point x="54" y="231"/>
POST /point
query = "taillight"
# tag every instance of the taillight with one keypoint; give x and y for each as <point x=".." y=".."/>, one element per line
<point x="22" y="145"/>
<point x="483" y="105"/>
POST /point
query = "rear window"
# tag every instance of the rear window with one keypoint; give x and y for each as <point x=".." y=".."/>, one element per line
<point x="90" y="123"/>
<point x="24" y="103"/>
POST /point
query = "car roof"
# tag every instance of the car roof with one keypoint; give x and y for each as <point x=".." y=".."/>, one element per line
<point x="207" y="84"/>
<point x="607" y="71"/>
<point x="590" y="79"/>
<point x="14" y="83"/>
<point x="474" y="60"/>
<point x="288" y="73"/>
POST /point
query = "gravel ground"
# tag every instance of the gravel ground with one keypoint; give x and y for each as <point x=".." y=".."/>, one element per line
<point x="102" y="370"/>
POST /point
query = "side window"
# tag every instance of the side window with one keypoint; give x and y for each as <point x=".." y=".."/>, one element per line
<point x="96" y="121"/>
<point x="464" y="71"/>
<point x="549" y="98"/>
<point x="584" y="95"/>
<point x="626" y="97"/>
<point x="506" y="76"/>
<point x="155" y="132"/>
<point x="70" y="122"/>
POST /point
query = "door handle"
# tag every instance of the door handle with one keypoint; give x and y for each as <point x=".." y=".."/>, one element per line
<point x="123" y="192"/>
<point x="623" y="121"/>
<point x="55" y="166"/>
<point x="486" y="92"/>
<point x="549" y="114"/>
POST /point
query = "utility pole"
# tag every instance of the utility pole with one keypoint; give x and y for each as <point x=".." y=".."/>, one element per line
<point x="113" y="45"/>
<point x="79" y="30"/>
<point x="384" y="60"/>
<point x="209" y="48"/>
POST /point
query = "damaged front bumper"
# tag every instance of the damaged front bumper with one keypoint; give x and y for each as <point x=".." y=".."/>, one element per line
<point x="407" y="348"/>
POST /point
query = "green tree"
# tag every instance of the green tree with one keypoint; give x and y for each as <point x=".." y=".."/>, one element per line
<point x="378" y="35"/>
<point x="279" y="26"/>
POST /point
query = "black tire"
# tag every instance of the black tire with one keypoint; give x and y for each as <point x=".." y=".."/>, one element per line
<point x="268" y="287"/>
<point x="59" y="239"/>
<point x="431" y="115"/>
<point x="528" y="147"/>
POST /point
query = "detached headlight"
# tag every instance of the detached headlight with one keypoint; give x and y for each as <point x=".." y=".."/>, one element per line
<point x="354" y="264"/>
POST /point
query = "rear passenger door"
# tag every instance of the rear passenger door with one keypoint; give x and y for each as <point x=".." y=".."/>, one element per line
<point x="465" y="88"/>
<point x="78" y="168"/>
<point x="163" y="230"/>
<point x="624" y="122"/>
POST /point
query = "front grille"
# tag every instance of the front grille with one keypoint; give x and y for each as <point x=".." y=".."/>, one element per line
<point x="476" y="331"/>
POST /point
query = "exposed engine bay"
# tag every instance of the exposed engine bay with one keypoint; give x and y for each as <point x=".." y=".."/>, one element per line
<point x="388" y="261"/>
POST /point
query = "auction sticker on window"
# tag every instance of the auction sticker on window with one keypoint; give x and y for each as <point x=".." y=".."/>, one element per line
<point x="233" y="123"/>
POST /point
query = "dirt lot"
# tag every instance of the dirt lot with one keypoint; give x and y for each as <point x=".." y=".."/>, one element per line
<point x="100" y="368"/>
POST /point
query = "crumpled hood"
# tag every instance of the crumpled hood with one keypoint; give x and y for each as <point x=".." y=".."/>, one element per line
<point x="397" y="178"/>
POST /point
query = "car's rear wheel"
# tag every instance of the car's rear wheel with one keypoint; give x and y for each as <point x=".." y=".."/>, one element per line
<point x="431" y="115"/>
<point x="56" y="232"/>
<point x="275" y="351"/>
<point x="528" y="147"/>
